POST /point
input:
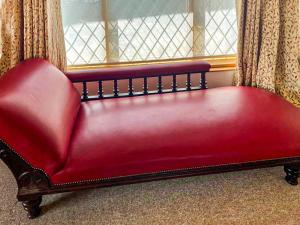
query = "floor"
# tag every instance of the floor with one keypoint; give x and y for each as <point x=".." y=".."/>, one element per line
<point x="248" y="197"/>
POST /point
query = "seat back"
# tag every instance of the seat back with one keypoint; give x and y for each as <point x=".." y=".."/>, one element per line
<point x="38" y="108"/>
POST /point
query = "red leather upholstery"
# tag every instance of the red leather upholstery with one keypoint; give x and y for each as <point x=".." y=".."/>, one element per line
<point x="138" y="71"/>
<point x="38" y="107"/>
<point x="129" y="136"/>
<point x="43" y="120"/>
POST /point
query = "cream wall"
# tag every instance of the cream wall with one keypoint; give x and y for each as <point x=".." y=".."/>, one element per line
<point x="220" y="79"/>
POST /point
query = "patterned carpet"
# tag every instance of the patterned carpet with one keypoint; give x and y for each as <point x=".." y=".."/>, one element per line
<point x="249" y="197"/>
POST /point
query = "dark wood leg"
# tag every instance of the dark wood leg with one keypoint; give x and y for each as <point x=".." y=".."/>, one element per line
<point x="33" y="207"/>
<point x="292" y="174"/>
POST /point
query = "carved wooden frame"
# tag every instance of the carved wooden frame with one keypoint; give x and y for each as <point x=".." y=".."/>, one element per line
<point x="31" y="182"/>
<point x="34" y="183"/>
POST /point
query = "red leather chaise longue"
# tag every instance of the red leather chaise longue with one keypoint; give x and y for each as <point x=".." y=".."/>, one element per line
<point x="54" y="140"/>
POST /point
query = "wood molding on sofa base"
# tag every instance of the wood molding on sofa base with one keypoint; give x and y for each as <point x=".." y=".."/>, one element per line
<point x="34" y="183"/>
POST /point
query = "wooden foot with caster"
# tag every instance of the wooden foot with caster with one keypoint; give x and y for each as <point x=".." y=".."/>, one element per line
<point x="292" y="174"/>
<point x="33" y="207"/>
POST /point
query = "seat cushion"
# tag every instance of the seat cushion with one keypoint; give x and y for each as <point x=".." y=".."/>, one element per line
<point x="150" y="134"/>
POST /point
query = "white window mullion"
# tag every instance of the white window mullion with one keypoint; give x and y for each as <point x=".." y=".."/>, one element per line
<point x="198" y="10"/>
<point x="111" y="34"/>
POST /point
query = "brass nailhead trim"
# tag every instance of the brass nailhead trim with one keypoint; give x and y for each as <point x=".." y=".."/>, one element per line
<point x="117" y="177"/>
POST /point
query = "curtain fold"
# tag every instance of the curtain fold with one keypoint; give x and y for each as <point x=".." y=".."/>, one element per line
<point x="269" y="47"/>
<point x="11" y="34"/>
<point x="31" y="29"/>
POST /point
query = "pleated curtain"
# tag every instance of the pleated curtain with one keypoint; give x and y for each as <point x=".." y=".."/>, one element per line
<point x="31" y="29"/>
<point x="269" y="47"/>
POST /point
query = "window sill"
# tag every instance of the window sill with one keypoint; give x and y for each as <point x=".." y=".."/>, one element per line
<point x="218" y="63"/>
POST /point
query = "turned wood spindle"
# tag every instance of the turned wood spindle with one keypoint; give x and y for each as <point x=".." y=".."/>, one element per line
<point x="145" y="85"/>
<point x="188" y="82"/>
<point x="116" y="88"/>
<point x="203" y="84"/>
<point x="100" y="89"/>
<point x="85" y="92"/>
<point x="130" y="87"/>
<point x="174" y="83"/>
<point x="160" y="86"/>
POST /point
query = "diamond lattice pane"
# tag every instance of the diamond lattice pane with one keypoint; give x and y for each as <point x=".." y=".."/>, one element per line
<point x="220" y="27"/>
<point x="103" y="31"/>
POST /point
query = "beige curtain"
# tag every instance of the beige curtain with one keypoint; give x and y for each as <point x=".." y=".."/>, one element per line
<point x="31" y="29"/>
<point x="269" y="47"/>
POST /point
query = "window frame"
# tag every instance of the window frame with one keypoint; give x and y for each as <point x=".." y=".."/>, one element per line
<point x="218" y="63"/>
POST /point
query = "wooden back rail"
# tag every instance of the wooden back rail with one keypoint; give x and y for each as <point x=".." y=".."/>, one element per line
<point x="98" y="76"/>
